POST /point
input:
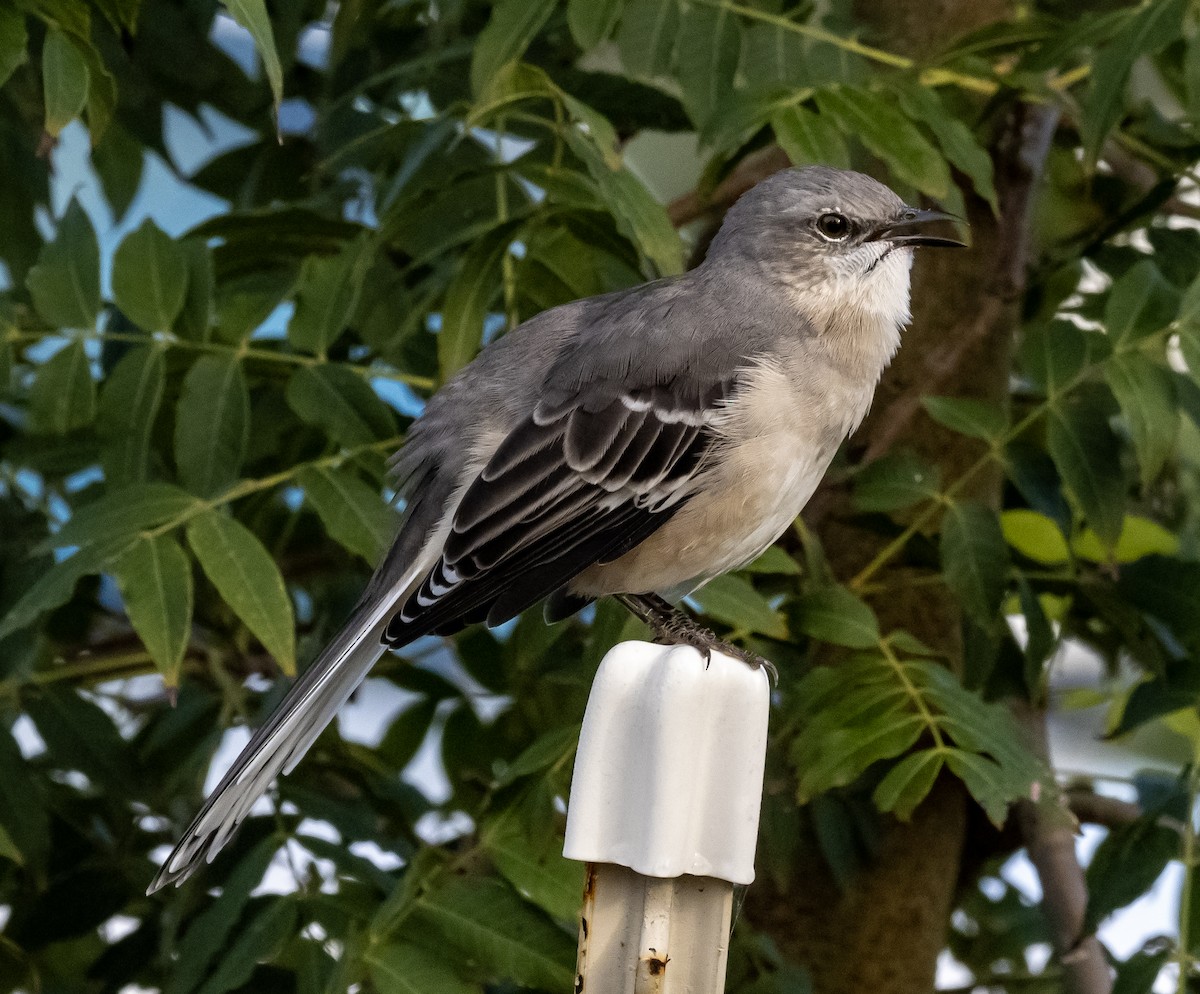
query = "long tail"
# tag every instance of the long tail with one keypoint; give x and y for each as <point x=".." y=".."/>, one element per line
<point x="279" y="744"/>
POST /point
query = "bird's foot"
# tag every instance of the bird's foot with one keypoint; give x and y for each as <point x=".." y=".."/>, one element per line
<point x="679" y="629"/>
<point x="672" y="626"/>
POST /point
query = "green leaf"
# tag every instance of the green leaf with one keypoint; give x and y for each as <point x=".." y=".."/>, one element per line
<point x="212" y="424"/>
<point x="129" y="404"/>
<point x="708" y="48"/>
<point x="975" y="559"/>
<point x="65" y="283"/>
<point x="155" y="577"/>
<point x="257" y="941"/>
<point x="776" y="56"/>
<point x="13" y="42"/>
<point x="1140" y="303"/>
<point x="808" y="138"/>
<point x="341" y="403"/>
<point x="833" y="614"/>
<point x="63" y="396"/>
<point x="513" y="25"/>
<point x="248" y="581"/>
<point x="1040" y="642"/>
<point x="64" y="81"/>
<point x="887" y="133"/>
<point x="897" y="480"/>
<point x="485" y="922"/>
<point x="1146" y="395"/>
<point x="23" y="810"/>
<point x="56" y="586"/>
<point x="1167" y="588"/>
<point x="958" y="143"/>
<point x="328" y="293"/>
<point x="252" y="15"/>
<point x="121" y="514"/>
<point x="196" y="316"/>
<point x="639" y="216"/>
<point x="647" y="36"/>
<point x="734" y="601"/>
<point x="406" y="733"/>
<point x="1053" y="354"/>
<point x="79" y="735"/>
<point x="554" y="747"/>
<point x="468" y="297"/>
<point x="149" y="277"/>
<point x="974" y="418"/>
<point x="908" y="783"/>
<point x="1087" y="455"/>
<point x="1139" y="537"/>
<point x="8" y="848"/>
<point x="530" y="856"/>
<point x="1152" y="27"/>
<point x="354" y="514"/>
<point x="774" y="560"/>
<point x="591" y="21"/>
<point x="403" y="968"/>
<point x="208" y="933"/>
<point x="1035" y="536"/>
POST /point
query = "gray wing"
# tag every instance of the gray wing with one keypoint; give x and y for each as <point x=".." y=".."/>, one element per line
<point x="591" y="473"/>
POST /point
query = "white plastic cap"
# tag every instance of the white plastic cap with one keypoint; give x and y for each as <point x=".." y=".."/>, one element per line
<point x="668" y="777"/>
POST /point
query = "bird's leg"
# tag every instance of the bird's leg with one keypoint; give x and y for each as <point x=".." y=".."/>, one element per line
<point x="671" y="626"/>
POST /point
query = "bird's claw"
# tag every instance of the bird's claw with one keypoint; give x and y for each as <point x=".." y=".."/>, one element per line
<point x="683" y="631"/>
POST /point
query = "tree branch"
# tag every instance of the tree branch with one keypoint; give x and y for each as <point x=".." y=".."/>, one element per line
<point x="1050" y="842"/>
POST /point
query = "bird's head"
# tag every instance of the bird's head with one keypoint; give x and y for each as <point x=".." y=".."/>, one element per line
<point x="831" y="235"/>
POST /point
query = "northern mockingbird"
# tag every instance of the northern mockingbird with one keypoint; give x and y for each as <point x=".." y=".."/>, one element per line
<point x="636" y="444"/>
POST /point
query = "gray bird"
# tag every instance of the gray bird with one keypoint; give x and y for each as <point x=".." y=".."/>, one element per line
<point x="634" y="444"/>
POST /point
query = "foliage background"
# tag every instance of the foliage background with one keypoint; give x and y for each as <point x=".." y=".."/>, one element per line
<point x="192" y="479"/>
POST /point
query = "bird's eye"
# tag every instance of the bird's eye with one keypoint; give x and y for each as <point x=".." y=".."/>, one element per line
<point x="835" y="227"/>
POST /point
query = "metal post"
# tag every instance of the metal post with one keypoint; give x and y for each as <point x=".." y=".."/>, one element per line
<point x="664" y="809"/>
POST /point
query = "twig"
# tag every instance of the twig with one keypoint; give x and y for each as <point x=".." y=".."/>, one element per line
<point x="1096" y="809"/>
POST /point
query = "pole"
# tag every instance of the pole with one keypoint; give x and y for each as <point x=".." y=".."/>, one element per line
<point x="664" y="809"/>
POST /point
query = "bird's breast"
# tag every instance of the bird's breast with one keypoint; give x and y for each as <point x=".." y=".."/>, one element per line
<point x="776" y="443"/>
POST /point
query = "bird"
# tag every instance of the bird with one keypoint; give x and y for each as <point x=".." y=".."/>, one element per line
<point x="634" y="444"/>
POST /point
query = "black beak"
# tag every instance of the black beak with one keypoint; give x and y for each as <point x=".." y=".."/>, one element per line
<point x="909" y="229"/>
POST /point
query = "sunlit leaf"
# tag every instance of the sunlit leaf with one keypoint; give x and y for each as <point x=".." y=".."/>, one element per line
<point x="1139" y="537"/>
<point x="1035" y="536"/>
